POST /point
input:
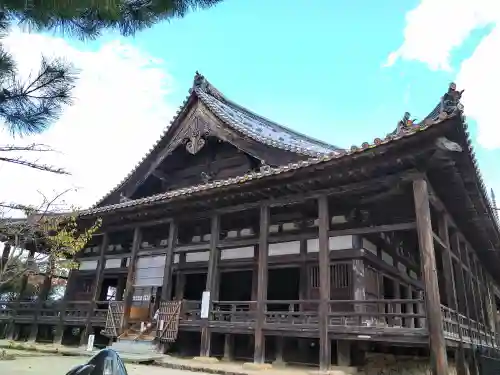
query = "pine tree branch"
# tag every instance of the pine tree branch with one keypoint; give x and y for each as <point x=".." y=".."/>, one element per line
<point x="29" y="108"/>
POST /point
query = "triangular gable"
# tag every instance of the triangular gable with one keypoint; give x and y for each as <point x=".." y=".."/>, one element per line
<point x="207" y="114"/>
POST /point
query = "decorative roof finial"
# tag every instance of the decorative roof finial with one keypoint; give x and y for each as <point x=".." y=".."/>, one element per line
<point x="450" y="102"/>
<point x="201" y="83"/>
<point x="404" y="125"/>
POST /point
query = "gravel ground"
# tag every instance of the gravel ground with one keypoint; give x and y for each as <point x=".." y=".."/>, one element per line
<point x="57" y="365"/>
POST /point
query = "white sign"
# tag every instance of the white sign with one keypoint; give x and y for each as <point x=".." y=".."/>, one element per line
<point x="205" y="304"/>
<point x="90" y="343"/>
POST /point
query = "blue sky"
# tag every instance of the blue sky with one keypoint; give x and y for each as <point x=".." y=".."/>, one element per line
<point x="319" y="66"/>
<point x="317" y="69"/>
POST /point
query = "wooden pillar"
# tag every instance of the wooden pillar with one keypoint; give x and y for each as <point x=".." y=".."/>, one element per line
<point x="181" y="278"/>
<point x="120" y="288"/>
<point x="304" y="276"/>
<point x="491" y="304"/>
<point x="228" y="347"/>
<point x="166" y="289"/>
<point x="359" y="291"/>
<point x="96" y="288"/>
<point x="451" y="292"/>
<point x="213" y="263"/>
<point x="280" y="349"/>
<point x="451" y="299"/>
<point x="42" y="298"/>
<point x="410" y="307"/>
<point x="24" y="279"/>
<point x="262" y="276"/>
<point x="469" y="282"/>
<point x="462" y="281"/>
<point x="422" y="322"/>
<point x="437" y="344"/>
<point x="59" y="334"/>
<point x="129" y="286"/>
<point x="480" y="296"/>
<point x="324" y="284"/>
<point x="487" y="305"/>
<point x="5" y="256"/>
<point x="397" y="321"/>
<point x="343" y="353"/>
<point x="12" y="330"/>
<point x="255" y="276"/>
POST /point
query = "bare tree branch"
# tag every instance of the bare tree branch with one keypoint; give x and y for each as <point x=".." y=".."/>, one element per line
<point x="35" y="165"/>
<point x="38" y="147"/>
<point x="50" y="235"/>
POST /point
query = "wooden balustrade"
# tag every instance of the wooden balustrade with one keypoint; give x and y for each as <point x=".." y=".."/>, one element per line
<point x="369" y="313"/>
<point x="190" y="310"/>
<point x="293" y="313"/>
<point x="394" y="313"/>
<point x="472" y="332"/>
<point x="6" y="310"/>
<point x="233" y="311"/>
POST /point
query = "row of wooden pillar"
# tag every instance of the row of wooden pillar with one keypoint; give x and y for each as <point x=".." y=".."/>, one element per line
<point x="42" y="295"/>
<point x="425" y="236"/>
<point x="428" y="267"/>
<point x="475" y="283"/>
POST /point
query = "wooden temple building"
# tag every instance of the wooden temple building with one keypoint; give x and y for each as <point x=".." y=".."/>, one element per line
<point x="267" y="245"/>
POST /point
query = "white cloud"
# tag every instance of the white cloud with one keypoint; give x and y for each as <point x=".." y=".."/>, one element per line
<point x="434" y="29"/>
<point x="119" y="112"/>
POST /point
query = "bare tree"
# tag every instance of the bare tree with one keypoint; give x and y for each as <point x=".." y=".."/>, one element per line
<point x="40" y="245"/>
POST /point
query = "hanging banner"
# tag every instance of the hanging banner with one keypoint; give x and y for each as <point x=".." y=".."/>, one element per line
<point x="205" y="304"/>
<point x="90" y="343"/>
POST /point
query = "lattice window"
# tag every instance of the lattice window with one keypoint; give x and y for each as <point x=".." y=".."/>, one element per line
<point x="314" y="277"/>
<point x="341" y="275"/>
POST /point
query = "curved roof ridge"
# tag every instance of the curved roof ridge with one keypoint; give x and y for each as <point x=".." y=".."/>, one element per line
<point x="202" y="86"/>
<point x="449" y="107"/>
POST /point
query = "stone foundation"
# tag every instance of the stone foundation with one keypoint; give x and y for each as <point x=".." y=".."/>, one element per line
<point x="388" y="364"/>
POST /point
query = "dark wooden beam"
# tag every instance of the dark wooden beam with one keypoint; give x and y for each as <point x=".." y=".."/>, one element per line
<point x="486" y="293"/>
<point x="129" y="288"/>
<point x="262" y="277"/>
<point x="437" y="344"/>
<point x="373" y="229"/>
<point x="5" y="256"/>
<point x="96" y="288"/>
<point x="480" y="295"/>
<point x="211" y="283"/>
<point x="276" y="201"/>
<point x="324" y="284"/>
<point x="166" y="290"/>
<point x="59" y="333"/>
<point x="462" y="280"/>
<point x="451" y="293"/>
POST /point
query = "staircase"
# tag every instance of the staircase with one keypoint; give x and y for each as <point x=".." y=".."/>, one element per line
<point x="128" y="345"/>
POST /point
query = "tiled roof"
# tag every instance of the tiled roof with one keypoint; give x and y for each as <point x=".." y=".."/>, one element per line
<point x="243" y="121"/>
<point x="448" y="107"/>
<point x="255" y="126"/>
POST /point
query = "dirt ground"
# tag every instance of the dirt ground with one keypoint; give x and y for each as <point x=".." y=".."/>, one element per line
<point x="57" y="365"/>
